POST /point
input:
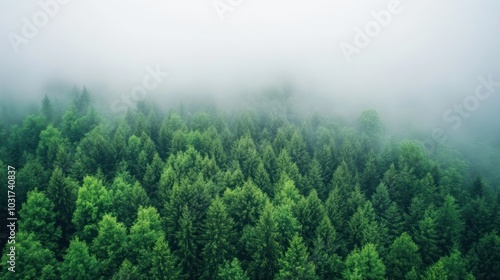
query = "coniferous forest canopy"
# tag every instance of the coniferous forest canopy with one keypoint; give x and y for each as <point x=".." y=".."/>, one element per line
<point x="200" y="192"/>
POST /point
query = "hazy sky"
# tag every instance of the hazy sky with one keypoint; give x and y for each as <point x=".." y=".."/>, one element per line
<point x="427" y="57"/>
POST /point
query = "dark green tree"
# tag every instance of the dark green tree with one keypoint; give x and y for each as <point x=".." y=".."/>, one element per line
<point x="79" y="263"/>
<point x="37" y="216"/>
<point x="164" y="265"/>
<point x="217" y="236"/>
<point x="266" y="249"/>
<point x="92" y="203"/>
<point x="110" y="245"/>
<point x="364" y="264"/>
<point x="403" y="257"/>
<point x="295" y="264"/>
<point x="232" y="271"/>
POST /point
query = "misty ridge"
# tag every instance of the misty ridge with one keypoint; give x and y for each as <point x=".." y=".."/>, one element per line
<point x="234" y="139"/>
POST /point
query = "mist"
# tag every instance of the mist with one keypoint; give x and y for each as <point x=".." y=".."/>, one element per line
<point x="428" y="56"/>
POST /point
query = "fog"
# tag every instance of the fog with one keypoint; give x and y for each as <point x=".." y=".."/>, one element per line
<point x="426" y="56"/>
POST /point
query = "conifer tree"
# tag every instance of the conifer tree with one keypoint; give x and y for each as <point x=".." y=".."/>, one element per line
<point x="79" y="263"/>
<point x="364" y="264"/>
<point x="295" y="264"/>
<point x="218" y="237"/>
<point x="37" y="216"/>
<point x="232" y="271"/>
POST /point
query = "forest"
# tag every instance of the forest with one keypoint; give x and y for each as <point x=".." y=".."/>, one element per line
<point x="201" y="192"/>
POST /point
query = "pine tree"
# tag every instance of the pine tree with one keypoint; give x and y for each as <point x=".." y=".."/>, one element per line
<point x="266" y="247"/>
<point x="288" y="225"/>
<point x="295" y="264"/>
<point x="449" y="225"/>
<point x="187" y="247"/>
<point x="63" y="192"/>
<point x="455" y="266"/>
<point x="126" y="200"/>
<point x="364" y="264"/>
<point x="262" y="180"/>
<point x="325" y="249"/>
<point x="363" y="227"/>
<point x="426" y="239"/>
<point x="315" y="181"/>
<point x="436" y="272"/>
<point x="79" y="263"/>
<point x="232" y="271"/>
<point x="244" y="204"/>
<point x="164" y="265"/>
<point x="218" y="231"/>
<point x="37" y="216"/>
<point x="92" y="203"/>
<point x="402" y="258"/>
<point x="143" y="236"/>
<point x="127" y="271"/>
<point x="485" y="257"/>
<point x="110" y="246"/>
<point x="309" y="212"/>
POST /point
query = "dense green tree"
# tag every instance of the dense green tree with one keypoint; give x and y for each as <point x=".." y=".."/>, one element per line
<point x="262" y="180"/>
<point x="79" y="263"/>
<point x="127" y="271"/>
<point x="187" y="245"/>
<point x="295" y="264"/>
<point x="455" y="266"/>
<point x="63" y="191"/>
<point x="309" y="212"/>
<point x="426" y="238"/>
<point x="364" y="228"/>
<point x="449" y="225"/>
<point x="314" y="181"/>
<point x="266" y="249"/>
<point x="402" y="258"/>
<point x="325" y="248"/>
<point x="477" y="220"/>
<point x="244" y="204"/>
<point x="110" y="245"/>
<point x="298" y="152"/>
<point x="164" y="265"/>
<point x="37" y="216"/>
<point x="436" y="272"/>
<point x="485" y="257"/>
<point x="31" y="175"/>
<point x="288" y="225"/>
<point x="92" y="203"/>
<point x="232" y="271"/>
<point x="126" y="200"/>
<point x="143" y="236"/>
<point x="217" y="236"/>
<point x="364" y="263"/>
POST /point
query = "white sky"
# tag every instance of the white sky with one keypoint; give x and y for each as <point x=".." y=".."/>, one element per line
<point x="428" y="57"/>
